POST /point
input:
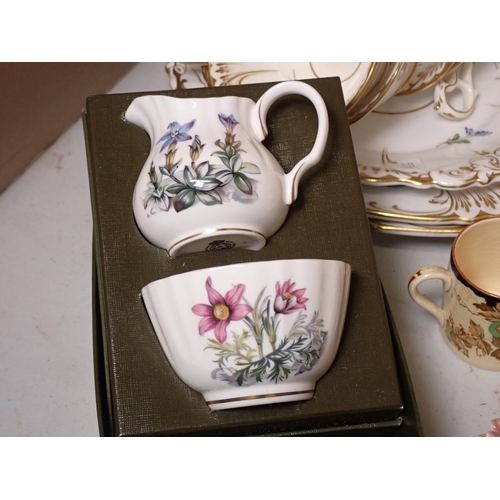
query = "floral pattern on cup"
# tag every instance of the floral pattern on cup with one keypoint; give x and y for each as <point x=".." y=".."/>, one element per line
<point x="472" y="336"/>
<point x="242" y="360"/>
<point x="177" y="186"/>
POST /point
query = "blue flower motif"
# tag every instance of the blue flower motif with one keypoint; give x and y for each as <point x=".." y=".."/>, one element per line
<point x="228" y="121"/>
<point x="470" y="132"/>
<point x="176" y="133"/>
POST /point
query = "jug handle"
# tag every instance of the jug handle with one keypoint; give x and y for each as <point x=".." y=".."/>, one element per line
<point x="259" y="114"/>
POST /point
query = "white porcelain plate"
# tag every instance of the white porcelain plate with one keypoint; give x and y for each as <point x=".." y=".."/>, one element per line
<point x="431" y="207"/>
<point x="385" y="84"/>
<point x="408" y="229"/>
<point x="406" y="142"/>
<point x="353" y="75"/>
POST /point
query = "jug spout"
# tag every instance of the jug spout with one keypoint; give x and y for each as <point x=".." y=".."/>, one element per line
<point x="145" y="114"/>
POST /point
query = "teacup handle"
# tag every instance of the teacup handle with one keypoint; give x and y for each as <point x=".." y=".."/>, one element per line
<point x="424" y="274"/>
<point x="260" y="129"/>
<point x="455" y="80"/>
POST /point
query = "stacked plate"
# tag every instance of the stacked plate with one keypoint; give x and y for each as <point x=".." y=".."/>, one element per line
<point x="422" y="174"/>
<point x="425" y="175"/>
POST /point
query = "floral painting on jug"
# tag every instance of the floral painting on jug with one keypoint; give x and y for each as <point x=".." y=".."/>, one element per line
<point x="179" y="186"/>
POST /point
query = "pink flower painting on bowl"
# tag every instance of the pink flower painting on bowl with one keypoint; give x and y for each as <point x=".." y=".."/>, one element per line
<point x="221" y="311"/>
<point x="262" y="347"/>
<point x="287" y="299"/>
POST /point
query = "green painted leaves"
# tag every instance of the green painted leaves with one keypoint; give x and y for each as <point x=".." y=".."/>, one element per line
<point x="181" y="187"/>
<point x="196" y="186"/>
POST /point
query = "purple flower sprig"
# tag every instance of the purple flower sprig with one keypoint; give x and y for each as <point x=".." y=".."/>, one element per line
<point x="175" y="133"/>
<point x="470" y="132"/>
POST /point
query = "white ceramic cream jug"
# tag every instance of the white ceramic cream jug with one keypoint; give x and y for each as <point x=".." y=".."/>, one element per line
<point x="208" y="182"/>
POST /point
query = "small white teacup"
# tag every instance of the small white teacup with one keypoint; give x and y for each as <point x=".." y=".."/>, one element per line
<point x="470" y="315"/>
<point x="254" y="333"/>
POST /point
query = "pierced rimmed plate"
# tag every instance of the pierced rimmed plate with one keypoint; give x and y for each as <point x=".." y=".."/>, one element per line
<point x="187" y="75"/>
<point x="365" y="85"/>
<point x="406" y="142"/>
<point x="354" y="76"/>
<point x="431" y="207"/>
<point x="426" y="75"/>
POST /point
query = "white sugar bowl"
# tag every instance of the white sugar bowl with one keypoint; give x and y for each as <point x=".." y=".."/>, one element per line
<point x="254" y="333"/>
